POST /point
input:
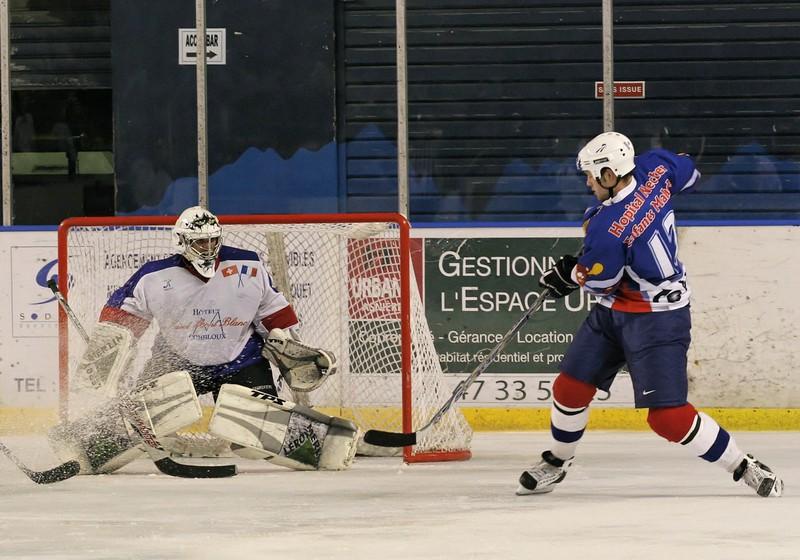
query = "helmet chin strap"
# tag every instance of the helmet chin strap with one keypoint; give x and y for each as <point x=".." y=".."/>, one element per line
<point x="611" y="188"/>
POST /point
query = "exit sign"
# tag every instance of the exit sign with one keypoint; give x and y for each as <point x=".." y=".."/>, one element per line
<point x="631" y="90"/>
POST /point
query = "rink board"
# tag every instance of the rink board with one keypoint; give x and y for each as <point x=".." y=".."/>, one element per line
<point x="742" y="364"/>
<point x="32" y="421"/>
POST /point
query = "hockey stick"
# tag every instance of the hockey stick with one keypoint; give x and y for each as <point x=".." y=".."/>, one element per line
<point x="56" y="474"/>
<point x="160" y="456"/>
<point x="395" y="439"/>
<point x="60" y="472"/>
<point x="155" y="450"/>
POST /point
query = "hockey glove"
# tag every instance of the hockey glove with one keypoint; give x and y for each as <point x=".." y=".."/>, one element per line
<point x="559" y="278"/>
<point x="303" y="367"/>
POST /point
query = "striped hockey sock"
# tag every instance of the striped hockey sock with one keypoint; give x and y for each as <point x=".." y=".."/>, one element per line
<point x="698" y="432"/>
<point x="569" y="414"/>
<point x="711" y="442"/>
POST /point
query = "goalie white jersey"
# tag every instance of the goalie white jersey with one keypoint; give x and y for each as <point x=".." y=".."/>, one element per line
<point x="206" y="321"/>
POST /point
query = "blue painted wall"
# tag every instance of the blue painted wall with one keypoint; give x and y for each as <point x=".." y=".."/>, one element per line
<point x="271" y="108"/>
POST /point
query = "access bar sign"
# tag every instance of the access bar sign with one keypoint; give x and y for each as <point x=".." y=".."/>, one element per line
<point x="631" y="90"/>
<point x="215" y="46"/>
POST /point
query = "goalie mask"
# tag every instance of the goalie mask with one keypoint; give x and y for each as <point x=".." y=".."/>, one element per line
<point x="198" y="236"/>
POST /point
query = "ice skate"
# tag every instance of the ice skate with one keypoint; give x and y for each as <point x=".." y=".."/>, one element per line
<point x="759" y="477"/>
<point x="543" y="476"/>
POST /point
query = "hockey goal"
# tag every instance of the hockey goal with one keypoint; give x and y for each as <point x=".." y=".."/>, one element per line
<point x="349" y="278"/>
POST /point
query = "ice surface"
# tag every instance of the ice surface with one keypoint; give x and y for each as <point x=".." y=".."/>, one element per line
<point x="630" y="496"/>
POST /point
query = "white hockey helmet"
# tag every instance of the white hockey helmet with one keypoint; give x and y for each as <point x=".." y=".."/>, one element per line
<point x="198" y="235"/>
<point x="609" y="149"/>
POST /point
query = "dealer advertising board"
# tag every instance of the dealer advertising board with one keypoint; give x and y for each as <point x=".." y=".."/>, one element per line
<point x="476" y="288"/>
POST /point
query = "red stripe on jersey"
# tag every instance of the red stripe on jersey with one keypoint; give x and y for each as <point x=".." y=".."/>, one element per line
<point x="281" y="319"/>
<point x="629" y="300"/>
<point x="115" y="315"/>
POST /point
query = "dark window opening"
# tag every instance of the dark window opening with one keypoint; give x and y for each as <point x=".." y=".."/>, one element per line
<point x="62" y="160"/>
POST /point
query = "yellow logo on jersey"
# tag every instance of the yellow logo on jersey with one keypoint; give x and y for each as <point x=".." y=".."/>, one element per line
<point x="597" y="268"/>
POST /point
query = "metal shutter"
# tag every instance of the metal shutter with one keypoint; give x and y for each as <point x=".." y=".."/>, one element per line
<point x="501" y="96"/>
<point x="64" y="48"/>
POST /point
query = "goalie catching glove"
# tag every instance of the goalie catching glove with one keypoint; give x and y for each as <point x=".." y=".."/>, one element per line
<point x="302" y="366"/>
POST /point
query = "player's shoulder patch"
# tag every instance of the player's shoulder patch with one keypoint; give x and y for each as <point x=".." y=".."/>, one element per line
<point x="227" y="253"/>
<point x="160" y="264"/>
<point x="147" y="269"/>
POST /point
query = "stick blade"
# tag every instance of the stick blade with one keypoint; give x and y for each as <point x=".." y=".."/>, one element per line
<point x="389" y="439"/>
<point x="56" y="474"/>
<point x="182" y="470"/>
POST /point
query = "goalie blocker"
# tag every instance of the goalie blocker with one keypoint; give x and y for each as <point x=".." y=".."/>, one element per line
<point x="262" y="426"/>
<point x="107" y="356"/>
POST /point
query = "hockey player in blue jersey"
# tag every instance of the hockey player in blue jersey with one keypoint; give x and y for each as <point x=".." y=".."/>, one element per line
<point x="630" y="260"/>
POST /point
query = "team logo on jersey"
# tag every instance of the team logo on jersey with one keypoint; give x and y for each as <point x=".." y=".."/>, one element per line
<point x="597" y="269"/>
<point x="209" y="324"/>
<point x="581" y="272"/>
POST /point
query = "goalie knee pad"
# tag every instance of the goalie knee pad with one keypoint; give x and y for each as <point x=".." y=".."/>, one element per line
<point x="266" y="427"/>
<point x="304" y="367"/>
<point x="105" y="439"/>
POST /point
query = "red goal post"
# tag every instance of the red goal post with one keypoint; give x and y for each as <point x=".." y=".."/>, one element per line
<point x="348" y="276"/>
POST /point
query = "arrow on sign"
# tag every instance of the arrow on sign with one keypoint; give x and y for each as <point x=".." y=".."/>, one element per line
<point x="209" y="54"/>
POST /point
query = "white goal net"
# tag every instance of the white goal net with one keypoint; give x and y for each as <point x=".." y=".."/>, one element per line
<point x="350" y="281"/>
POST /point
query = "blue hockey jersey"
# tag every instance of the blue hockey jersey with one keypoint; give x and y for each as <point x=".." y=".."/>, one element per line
<point x="630" y="255"/>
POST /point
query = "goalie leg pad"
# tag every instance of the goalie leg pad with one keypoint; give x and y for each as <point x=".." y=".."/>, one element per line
<point x="170" y="402"/>
<point x="285" y="433"/>
<point x="339" y="447"/>
<point x="104" y="440"/>
<point x="100" y="441"/>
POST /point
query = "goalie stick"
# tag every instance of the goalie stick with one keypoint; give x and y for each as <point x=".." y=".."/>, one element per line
<point x="155" y="450"/>
<point x="395" y="439"/>
<point x="160" y="456"/>
<point x="56" y="474"/>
